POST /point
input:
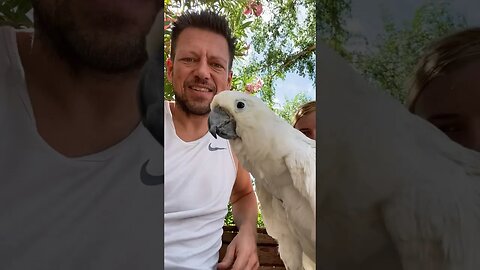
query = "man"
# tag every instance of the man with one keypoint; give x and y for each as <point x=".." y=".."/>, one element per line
<point x="445" y="88"/>
<point x="202" y="175"/>
<point x="77" y="169"/>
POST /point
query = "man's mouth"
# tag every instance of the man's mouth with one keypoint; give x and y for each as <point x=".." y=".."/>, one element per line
<point x="200" y="88"/>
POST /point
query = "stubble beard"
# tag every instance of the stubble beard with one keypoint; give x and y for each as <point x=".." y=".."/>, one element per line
<point x="190" y="106"/>
<point x="105" y="51"/>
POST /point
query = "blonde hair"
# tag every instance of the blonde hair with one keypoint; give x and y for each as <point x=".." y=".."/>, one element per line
<point x="439" y="57"/>
<point x="304" y="110"/>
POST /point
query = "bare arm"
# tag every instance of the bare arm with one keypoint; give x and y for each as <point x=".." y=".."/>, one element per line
<point x="244" y="202"/>
<point x="242" y="251"/>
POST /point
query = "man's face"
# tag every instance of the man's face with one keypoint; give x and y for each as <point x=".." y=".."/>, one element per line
<point x="307" y="125"/>
<point x="102" y="35"/>
<point x="452" y="103"/>
<point x="199" y="70"/>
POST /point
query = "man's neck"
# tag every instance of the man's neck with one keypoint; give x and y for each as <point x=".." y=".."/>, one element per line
<point x="77" y="112"/>
<point x="189" y="127"/>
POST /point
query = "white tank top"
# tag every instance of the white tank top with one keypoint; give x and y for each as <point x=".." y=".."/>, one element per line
<point x="199" y="178"/>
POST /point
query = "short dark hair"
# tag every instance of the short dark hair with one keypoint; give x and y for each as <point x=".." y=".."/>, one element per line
<point x="207" y="20"/>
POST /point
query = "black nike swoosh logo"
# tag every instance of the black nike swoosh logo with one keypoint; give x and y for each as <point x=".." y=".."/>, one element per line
<point x="214" y="148"/>
<point x="148" y="179"/>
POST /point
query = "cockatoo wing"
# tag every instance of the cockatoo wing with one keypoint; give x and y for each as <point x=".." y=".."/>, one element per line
<point x="278" y="224"/>
<point x="301" y="166"/>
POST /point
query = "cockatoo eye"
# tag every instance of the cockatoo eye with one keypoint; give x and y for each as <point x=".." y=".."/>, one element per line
<point x="240" y="105"/>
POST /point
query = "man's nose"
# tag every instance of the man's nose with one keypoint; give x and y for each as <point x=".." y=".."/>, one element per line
<point x="203" y="70"/>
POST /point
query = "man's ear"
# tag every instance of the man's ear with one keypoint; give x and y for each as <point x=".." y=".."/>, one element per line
<point x="169" y="69"/>
<point x="230" y="76"/>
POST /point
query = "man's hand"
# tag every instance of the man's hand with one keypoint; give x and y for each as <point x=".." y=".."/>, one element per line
<point x="241" y="253"/>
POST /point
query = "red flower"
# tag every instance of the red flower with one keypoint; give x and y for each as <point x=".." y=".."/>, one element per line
<point x="257" y="9"/>
<point x="247" y="11"/>
<point x="254" y="87"/>
<point x="259" y="83"/>
<point x="254" y="6"/>
<point x="250" y="88"/>
<point x="167" y="23"/>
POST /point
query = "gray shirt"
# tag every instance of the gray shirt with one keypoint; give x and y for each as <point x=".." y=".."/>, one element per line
<point x="101" y="211"/>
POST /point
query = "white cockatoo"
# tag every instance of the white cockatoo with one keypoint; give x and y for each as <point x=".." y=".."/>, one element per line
<point x="394" y="192"/>
<point x="282" y="161"/>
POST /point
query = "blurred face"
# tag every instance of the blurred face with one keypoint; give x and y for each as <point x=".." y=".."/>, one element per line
<point x="199" y="70"/>
<point x="307" y="125"/>
<point x="103" y="35"/>
<point x="452" y="103"/>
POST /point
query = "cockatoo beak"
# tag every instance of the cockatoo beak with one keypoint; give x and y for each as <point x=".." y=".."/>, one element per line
<point x="222" y="124"/>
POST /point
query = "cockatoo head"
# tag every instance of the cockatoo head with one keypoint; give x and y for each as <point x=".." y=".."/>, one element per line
<point x="234" y="112"/>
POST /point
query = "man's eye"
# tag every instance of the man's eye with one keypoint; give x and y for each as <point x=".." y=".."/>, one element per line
<point x="216" y="65"/>
<point x="188" y="59"/>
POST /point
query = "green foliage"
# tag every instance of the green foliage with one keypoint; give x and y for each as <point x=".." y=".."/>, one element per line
<point x="230" y="222"/>
<point x="283" y="43"/>
<point x="260" y="223"/>
<point x="331" y="16"/>
<point x="13" y="13"/>
<point x="391" y="62"/>
<point x="229" y="217"/>
<point x="291" y="106"/>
